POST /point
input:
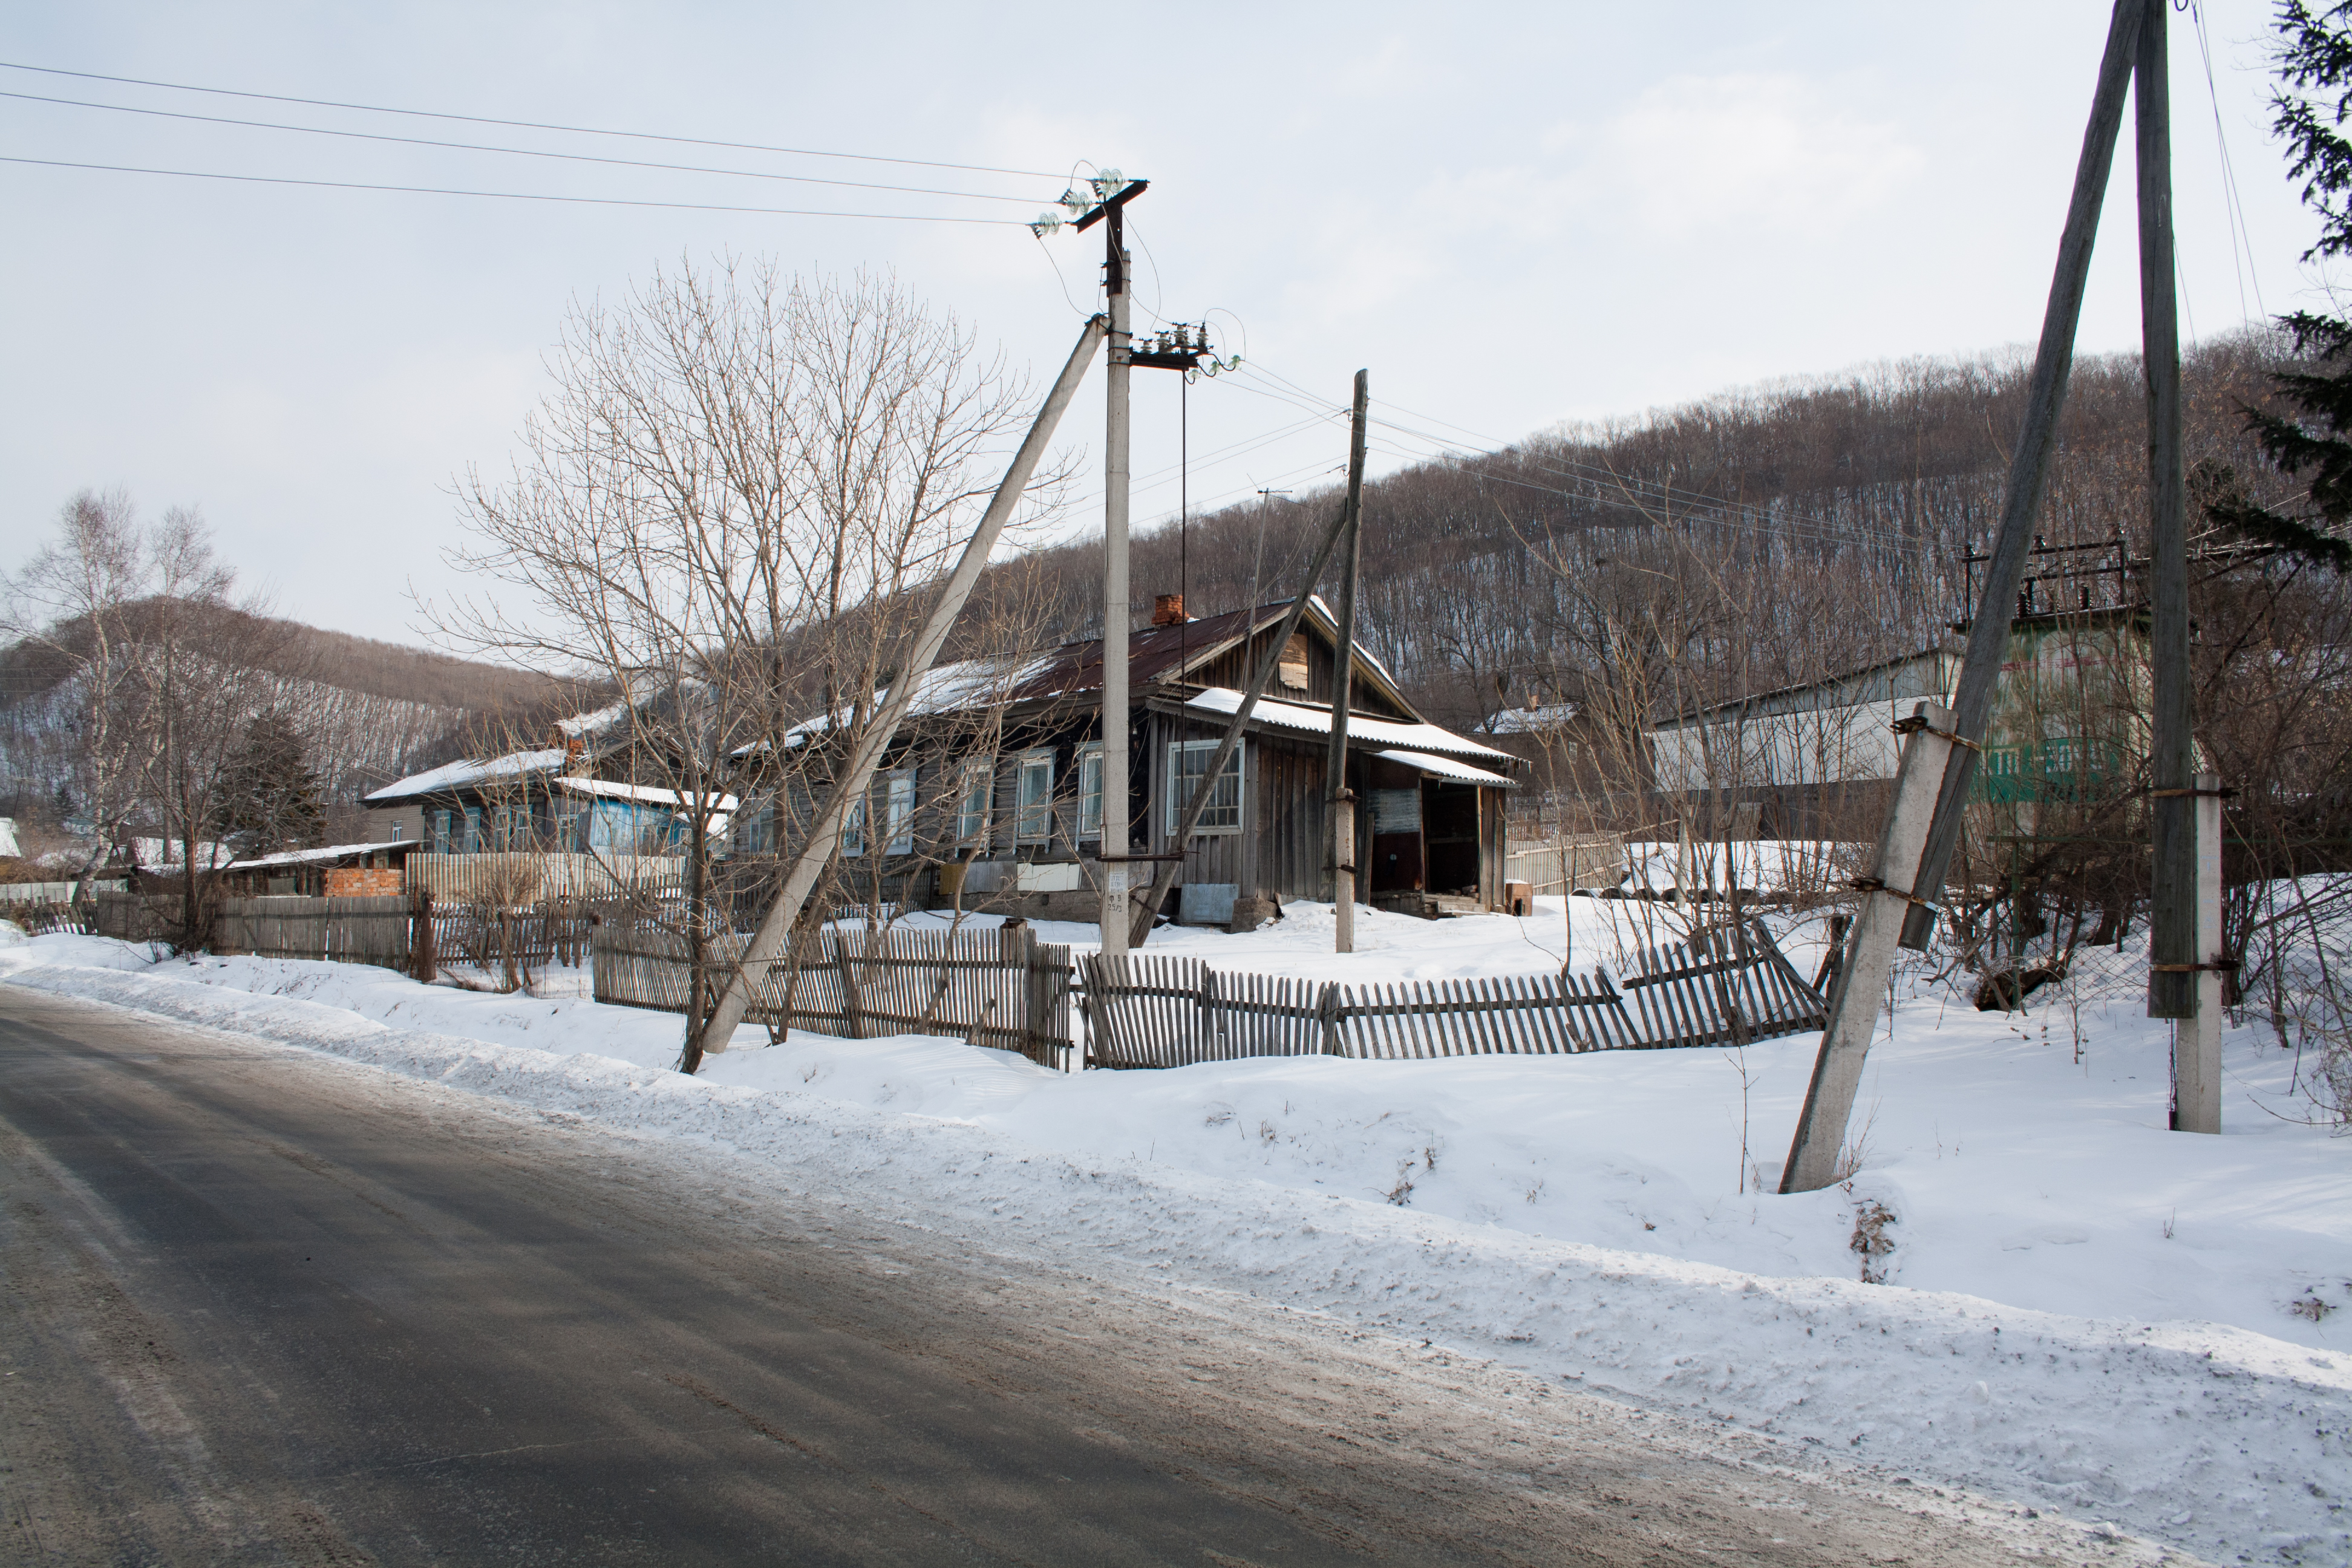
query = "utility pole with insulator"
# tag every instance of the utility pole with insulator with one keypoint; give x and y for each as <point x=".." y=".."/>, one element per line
<point x="1118" y="828"/>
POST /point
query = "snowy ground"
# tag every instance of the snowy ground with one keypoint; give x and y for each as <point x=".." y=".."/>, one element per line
<point x="2085" y="1313"/>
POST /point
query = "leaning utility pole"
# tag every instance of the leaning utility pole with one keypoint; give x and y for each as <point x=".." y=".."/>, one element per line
<point x="1334" y="770"/>
<point x="1907" y="885"/>
<point x="768" y="943"/>
<point x="1118" y="809"/>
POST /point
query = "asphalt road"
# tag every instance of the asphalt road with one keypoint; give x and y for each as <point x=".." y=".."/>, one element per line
<point x="264" y="1306"/>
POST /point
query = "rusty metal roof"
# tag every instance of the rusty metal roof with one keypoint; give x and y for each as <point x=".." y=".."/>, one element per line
<point x="1153" y="653"/>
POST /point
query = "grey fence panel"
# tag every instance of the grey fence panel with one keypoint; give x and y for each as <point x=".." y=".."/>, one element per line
<point x="343" y="930"/>
<point x="1003" y="989"/>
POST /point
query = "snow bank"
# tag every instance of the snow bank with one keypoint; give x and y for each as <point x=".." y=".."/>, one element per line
<point x="2089" y="1314"/>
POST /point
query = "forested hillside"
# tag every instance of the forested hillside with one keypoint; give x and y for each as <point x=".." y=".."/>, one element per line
<point x="1764" y="537"/>
<point x="367" y="710"/>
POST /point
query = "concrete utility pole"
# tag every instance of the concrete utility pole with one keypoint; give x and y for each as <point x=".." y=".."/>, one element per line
<point x="1343" y="799"/>
<point x="1116" y="830"/>
<point x="769" y="942"/>
<point x="1912" y="865"/>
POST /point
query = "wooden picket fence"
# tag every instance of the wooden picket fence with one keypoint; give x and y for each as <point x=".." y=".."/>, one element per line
<point x="1002" y="988"/>
<point x="1726" y="988"/>
<point x="341" y="930"/>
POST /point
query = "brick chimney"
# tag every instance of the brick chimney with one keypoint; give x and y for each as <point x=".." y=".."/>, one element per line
<point x="1168" y="610"/>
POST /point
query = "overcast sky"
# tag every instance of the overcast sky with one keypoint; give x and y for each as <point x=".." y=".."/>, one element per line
<point x="1513" y="215"/>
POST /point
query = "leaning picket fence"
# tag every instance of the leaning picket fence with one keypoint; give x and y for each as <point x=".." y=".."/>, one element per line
<point x="1002" y="988"/>
<point x="1724" y="987"/>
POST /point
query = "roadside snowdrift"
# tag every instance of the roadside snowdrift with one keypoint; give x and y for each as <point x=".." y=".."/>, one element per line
<point x="1577" y="1216"/>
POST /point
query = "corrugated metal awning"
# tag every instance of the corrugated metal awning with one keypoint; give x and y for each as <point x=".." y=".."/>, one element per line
<point x="1447" y="768"/>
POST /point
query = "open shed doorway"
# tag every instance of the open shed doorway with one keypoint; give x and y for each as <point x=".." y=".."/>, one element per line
<point x="1449" y="817"/>
<point x="1392" y="809"/>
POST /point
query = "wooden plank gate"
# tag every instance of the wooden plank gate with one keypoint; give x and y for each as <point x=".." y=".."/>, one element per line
<point x="342" y="930"/>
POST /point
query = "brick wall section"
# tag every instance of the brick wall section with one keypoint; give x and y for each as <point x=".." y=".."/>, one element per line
<point x="360" y="883"/>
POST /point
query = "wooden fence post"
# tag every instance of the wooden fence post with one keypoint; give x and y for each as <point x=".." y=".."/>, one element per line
<point x="423" y="960"/>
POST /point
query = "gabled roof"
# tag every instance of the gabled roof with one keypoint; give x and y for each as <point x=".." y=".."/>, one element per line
<point x="1155" y="655"/>
<point x="1363" y="730"/>
<point x="469" y="770"/>
<point x="1167" y="654"/>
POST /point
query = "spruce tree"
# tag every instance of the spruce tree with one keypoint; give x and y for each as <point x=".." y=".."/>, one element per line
<point x="2313" y="441"/>
<point x="271" y="799"/>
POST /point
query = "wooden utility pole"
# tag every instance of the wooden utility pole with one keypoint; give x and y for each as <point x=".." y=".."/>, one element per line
<point x="767" y="943"/>
<point x="2176" y="959"/>
<point x="1343" y="799"/>
<point x="1908" y="884"/>
<point x="1191" y="820"/>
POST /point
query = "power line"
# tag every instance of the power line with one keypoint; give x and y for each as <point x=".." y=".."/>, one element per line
<point x="529" y="124"/>
<point x="509" y="195"/>
<point x="515" y="151"/>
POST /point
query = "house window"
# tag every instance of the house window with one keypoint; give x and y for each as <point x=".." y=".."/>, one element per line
<point x="1034" y="822"/>
<point x="853" y="830"/>
<point x="1291" y="669"/>
<point x="473" y="830"/>
<point x="397" y="829"/>
<point x="1090" y="791"/>
<point x="901" y="813"/>
<point x="972" y="806"/>
<point x="1188" y="760"/>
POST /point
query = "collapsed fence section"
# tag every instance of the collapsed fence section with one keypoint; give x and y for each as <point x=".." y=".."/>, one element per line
<point x="1001" y="988"/>
<point x="1725" y="987"/>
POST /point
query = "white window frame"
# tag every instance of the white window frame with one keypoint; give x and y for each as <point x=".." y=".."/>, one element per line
<point x="899" y="812"/>
<point x="1090" y="791"/>
<point x="1179" y="794"/>
<point x="853" y="830"/>
<point x="975" y="802"/>
<point x="1033" y="822"/>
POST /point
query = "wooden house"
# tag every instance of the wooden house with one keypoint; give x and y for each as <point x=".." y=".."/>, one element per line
<point x="992" y="792"/>
<point x="572" y="796"/>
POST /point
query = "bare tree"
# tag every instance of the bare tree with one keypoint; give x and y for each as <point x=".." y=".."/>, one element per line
<point x="723" y="508"/>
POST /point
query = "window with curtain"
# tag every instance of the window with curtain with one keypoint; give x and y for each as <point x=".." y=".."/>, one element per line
<point x="1034" y="823"/>
<point x="973" y="801"/>
<point x="1188" y="763"/>
<point x="1090" y="791"/>
<point x="899" y="818"/>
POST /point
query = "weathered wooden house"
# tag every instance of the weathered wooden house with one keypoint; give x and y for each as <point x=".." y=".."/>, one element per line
<point x="992" y="792"/>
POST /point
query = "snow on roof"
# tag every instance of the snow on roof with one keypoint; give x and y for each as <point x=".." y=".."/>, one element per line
<point x="607" y="789"/>
<point x="1361" y="728"/>
<point x="472" y="770"/>
<point x="164" y="853"/>
<point x="942" y="688"/>
<point x="588" y="723"/>
<point x="1528" y="720"/>
<point x="305" y="856"/>
<point x="1445" y="767"/>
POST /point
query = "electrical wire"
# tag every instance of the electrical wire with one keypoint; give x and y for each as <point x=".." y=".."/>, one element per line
<point x="518" y="152"/>
<point x="2233" y="202"/>
<point x="529" y="124"/>
<point x="509" y="195"/>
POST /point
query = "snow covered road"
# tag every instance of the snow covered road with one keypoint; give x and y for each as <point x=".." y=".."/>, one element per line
<point x="270" y="1307"/>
